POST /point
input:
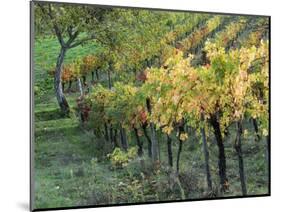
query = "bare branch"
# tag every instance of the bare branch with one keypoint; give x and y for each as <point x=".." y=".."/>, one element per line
<point x="72" y="37"/>
<point x="70" y="31"/>
<point x="81" y="41"/>
<point x="55" y="26"/>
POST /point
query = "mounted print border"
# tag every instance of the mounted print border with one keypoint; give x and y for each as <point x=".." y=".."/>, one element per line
<point x="143" y="105"/>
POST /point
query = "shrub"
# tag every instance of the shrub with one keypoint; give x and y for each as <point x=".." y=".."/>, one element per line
<point x="120" y="159"/>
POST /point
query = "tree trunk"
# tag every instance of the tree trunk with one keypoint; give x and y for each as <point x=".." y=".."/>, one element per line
<point x="256" y="128"/>
<point x="148" y="140"/>
<point x="139" y="143"/>
<point x="63" y="86"/>
<point x="154" y="142"/>
<point x="181" y="130"/>
<point x="222" y="161"/>
<point x="111" y="134"/>
<point x="115" y="138"/>
<point x="159" y="147"/>
<point x="84" y="79"/>
<point x="69" y="85"/>
<point x="97" y="75"/>
<point x="63" y="104"/>
<point x="206" y="155"/>
<point x="109" y="78"/>
<point x="178" y="156"/>
<point x="238" y="148"/>
<point x="123" y="136"/>
<point x="106" y="136"/>
<point x="135" y="73"/>
<point x="170" y="152"/>
<point x="80" y="86"/>
<point x="93" y="74"/>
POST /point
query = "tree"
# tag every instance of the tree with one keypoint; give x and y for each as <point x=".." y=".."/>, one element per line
<point x="206" y="153"/>
<point x="72" y="25"/>
<point x="235" y="75"/>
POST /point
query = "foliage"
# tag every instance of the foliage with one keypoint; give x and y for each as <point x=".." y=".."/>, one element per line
<point x="147" y="56"/>
<point x="230" y="32"/>
<point x="120" y="159"/>
<point x="198" y="35"/>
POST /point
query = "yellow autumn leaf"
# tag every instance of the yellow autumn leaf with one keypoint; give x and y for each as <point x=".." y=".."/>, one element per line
<point x="167" y="129"/>
<point x="265" y="132"/>
<point x="183" y="136"/>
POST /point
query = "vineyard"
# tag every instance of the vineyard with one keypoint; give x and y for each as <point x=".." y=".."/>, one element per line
<point x="145" y="106"/>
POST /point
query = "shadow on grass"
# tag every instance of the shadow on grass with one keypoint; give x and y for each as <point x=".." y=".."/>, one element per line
<point x="47" y="115"/>
<point x="47" y="132"/>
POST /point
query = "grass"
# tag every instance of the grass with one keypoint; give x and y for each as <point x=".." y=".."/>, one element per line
<point x="72" y="167"/>
<point x="46" y="52"/>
